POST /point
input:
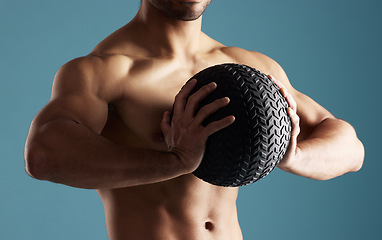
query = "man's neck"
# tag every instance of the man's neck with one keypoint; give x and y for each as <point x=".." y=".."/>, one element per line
<point x="166" y="36"/>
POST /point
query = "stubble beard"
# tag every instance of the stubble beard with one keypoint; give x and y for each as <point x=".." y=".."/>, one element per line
<point x="183" y="14"/>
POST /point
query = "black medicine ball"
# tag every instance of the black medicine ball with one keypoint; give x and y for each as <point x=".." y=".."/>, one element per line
<point x="253" y="145"/>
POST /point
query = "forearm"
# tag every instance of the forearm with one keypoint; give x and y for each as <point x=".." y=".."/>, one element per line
<point x="332" y="149"/>
<point x="65" y="152"/>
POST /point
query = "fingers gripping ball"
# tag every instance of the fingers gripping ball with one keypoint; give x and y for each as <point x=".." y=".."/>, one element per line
<point x="253" y="145"/>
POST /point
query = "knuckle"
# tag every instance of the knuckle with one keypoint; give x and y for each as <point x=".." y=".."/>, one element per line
<point x="207" y="88"/>
<point x="224" y="101"/>
<point x="182" y="123"/>
<point x="204" y="110"/>
<point x="192" y="98"/>
<point x="174" y="121"/>
<point x="186" y="125"/>
<point x="295" y="130"/>
<point x="210" y="108"/>
<point x="294" y="103"/>
<point x="228" y="120"/>
<point x="178" y="97"/>
<point x="211" y="128"/>
<point x="220" y="101"/>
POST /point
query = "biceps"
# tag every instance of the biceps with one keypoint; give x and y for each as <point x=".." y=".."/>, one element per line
<point x="85" y="110"/>
<point x="310" y="112"/>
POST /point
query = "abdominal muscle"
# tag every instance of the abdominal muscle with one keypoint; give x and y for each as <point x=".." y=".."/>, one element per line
<point x="178" y="209"/>
<point x="181" y="208"/>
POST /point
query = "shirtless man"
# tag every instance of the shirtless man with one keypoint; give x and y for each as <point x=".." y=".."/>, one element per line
<point x="107" y="127"/>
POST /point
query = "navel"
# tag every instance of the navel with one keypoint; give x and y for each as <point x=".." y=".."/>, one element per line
<point x="209" y="226"/>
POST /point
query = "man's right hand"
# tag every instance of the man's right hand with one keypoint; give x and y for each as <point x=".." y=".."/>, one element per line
<point x="185" y="135"/>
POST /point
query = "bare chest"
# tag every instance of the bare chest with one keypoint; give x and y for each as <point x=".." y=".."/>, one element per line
<point x="147" y="92"/>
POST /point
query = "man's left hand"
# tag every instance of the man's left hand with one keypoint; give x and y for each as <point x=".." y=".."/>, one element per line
<point x="293" y="149"/>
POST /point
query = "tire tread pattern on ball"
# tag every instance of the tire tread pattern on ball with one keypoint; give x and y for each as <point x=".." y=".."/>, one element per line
<point x="253" y="145"/>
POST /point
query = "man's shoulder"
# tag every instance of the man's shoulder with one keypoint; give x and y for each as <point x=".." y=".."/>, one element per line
<point x="251" y="58"/>
<point x="94" y="66"/>
<point x="239" y="55"/>
<point x="98" y="74"/>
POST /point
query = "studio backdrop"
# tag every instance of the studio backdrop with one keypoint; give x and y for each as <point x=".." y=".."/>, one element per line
<point x="330" y="49"/>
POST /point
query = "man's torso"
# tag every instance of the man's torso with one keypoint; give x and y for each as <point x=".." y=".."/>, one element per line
<point x="139" y="92"/>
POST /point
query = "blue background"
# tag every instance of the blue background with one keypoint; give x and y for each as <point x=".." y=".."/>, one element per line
<point x="330" y="50"/>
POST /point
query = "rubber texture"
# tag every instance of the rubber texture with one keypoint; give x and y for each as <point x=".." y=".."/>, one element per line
<point x="253" y="145"/>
